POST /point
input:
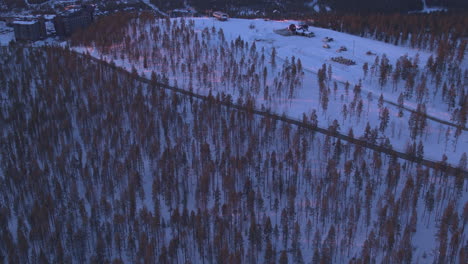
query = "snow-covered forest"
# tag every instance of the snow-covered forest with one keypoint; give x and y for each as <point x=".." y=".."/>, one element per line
<point x="98" y="167"/>
<point x="194" y="59"/>
<point x="394" y="95"/>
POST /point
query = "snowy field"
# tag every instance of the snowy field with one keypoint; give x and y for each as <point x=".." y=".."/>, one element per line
<point x="313" y="56"/>
<point x="438" y="138"/>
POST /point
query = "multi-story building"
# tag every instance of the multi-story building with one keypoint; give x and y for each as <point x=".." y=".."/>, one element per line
<point x="30" y="30"/>
<point x="71" y="20"/>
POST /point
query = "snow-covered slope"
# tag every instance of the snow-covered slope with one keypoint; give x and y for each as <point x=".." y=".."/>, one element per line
<point x="438" y="137"/>
<point x="313" y="56"/>
<point x="96" y="166"/>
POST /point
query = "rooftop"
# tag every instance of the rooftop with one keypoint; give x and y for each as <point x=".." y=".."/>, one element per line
<point x="24" y="22"/>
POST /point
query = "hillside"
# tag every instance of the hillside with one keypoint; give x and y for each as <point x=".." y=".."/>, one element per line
<point x="305" y="6"/>
<point x="149" y="139"/>
<point x="98" y="167"/>
<point x="268" y="6"/>
<point x="390" y="97"/>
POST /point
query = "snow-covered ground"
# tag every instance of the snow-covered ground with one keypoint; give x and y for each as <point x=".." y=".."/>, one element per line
<point x="395" y="200"/>
<point x="6" y="34"/>
<point x="313" y="56"/>
<point x="315" y="186"/>
<point x="438" y="138"/>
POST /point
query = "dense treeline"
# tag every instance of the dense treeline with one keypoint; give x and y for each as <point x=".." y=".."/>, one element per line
<point x="368" y="6"/>
<point x="427" y="31"/>
<point x="355" y="6"/>
<point x="360" y="6"/>
<point x="448" y="3"/>
<point x="99" y="168"/>
<point x="389" y="6"/>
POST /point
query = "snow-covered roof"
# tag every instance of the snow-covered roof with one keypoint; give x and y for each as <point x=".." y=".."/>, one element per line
<point x="24" y="22"/>
<point x="182" y="10"/>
